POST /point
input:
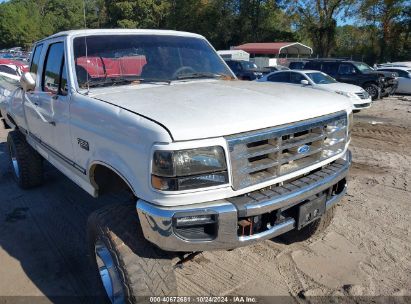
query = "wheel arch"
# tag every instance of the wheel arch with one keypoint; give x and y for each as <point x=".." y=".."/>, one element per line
<point x="370" y="82"/>
<point x="99" y="170"/>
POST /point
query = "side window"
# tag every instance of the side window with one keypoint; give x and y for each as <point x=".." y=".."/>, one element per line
<point x="312" y="65"/>
<point x="329" y="68"/>
<point x="296" y="78"/>
<point x="232" y="65"/>
<point x="280" y="77"/>
<point x="52" y="68"/>
<point x="36" y="59"/>
<point x="346" y="69"/>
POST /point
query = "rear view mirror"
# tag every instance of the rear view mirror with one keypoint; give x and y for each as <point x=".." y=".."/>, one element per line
<point x="27" y="82"/>
<point x="304" y="82"/>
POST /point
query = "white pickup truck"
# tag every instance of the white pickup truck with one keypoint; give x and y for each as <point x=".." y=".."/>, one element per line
<point x="211" y="162"/>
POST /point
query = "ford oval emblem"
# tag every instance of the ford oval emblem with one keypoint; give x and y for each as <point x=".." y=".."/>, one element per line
<point x="303" y="149"/>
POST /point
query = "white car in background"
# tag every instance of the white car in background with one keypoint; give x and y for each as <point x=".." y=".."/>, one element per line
<point x="404" y="78"/>
<point x="9" y="80"/>
<point x="10" y="74"/>
<point x="359" y="98"/>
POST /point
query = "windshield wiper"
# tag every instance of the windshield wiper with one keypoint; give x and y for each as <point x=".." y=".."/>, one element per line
<point x="198" y="75"/>
<point x="139" y="79"/>
<point x="121" y="80"/>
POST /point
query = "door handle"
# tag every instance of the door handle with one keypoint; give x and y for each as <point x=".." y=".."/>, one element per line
<point x="53" y="123"/>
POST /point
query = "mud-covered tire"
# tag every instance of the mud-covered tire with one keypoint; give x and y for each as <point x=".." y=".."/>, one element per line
<point x="26" y="163"/>
<point x="373" y="90"/>
<point x="140" y="268"/>
<point x="312" y="229"/>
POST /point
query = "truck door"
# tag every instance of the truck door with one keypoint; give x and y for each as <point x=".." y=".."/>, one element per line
<point x="347" y="73"/>
<point x="34" y="123"/>
<point x="51" y="102"/>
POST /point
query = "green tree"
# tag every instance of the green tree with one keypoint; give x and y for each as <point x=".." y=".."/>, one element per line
<point x="262" y="21"/>
<point x="20" y="24"/>
<point x="388" y="17"/>
<point x="356" y="42"/>
<point x="137" y="13"/>
<point x="213" y="19"/>
<point x="316" y="19"/>
<point x="231" y="22"/>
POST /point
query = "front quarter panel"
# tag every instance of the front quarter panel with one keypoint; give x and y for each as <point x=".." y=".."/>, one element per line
<point x="116" y="138"/>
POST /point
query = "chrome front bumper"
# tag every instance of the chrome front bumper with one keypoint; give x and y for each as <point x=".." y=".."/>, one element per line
<point x="159" y="224"/>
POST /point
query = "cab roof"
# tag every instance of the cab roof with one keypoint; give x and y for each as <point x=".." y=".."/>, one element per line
<point x="90" y="32"/>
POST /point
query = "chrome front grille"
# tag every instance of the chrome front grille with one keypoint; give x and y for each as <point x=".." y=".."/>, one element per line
<point x="362" y="95"/>
<point x="263" y="155"/>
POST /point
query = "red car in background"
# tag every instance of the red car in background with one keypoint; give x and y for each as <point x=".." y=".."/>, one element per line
<point x="101" y="67"/>
<point x="22" y="66"/>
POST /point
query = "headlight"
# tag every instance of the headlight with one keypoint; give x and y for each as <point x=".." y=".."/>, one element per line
<point x="189" y="169"/>
<point x="365" y="93"/>
<point x="347" y="94"/>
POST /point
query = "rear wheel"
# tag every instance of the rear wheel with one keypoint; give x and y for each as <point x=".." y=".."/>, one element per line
<point x="373" y="90"/>
<point x="128" y="265"/>
<point x="25" y="162"/>
<point x="312" y="229"/>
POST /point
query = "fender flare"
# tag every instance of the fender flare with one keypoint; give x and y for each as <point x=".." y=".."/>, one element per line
<point x="96" y="163"/>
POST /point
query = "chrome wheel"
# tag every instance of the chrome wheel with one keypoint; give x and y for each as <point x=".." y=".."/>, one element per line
<point x="14" y="161"/>
<point x="372" y="91"/>
<point x="108" y="273"/>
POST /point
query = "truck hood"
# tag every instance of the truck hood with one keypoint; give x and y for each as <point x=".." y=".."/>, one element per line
<point x="212" y="108"/>
<point x="382" y="74"/>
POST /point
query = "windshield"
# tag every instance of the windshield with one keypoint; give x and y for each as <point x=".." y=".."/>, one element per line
<point x="320" y="78"/>
<point x="363" y="67"/>
<point x="247" y="65"/>
<point x="119" y="59"/>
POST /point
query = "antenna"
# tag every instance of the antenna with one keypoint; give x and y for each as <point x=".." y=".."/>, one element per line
<point x="85" y="43"/>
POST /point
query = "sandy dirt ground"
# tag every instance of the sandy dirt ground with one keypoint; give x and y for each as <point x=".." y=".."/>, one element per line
<point x="366" y="251"/>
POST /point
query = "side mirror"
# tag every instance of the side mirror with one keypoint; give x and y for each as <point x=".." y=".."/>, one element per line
<point x="27" y="82"/>
<point x="304" y="82"/>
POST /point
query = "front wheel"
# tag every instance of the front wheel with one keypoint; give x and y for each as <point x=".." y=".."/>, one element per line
<point x="130" y="268"/>
<point x="373" y="90"/>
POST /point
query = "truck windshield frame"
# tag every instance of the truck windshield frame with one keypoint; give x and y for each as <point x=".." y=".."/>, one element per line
<point x="102" y="60"/>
